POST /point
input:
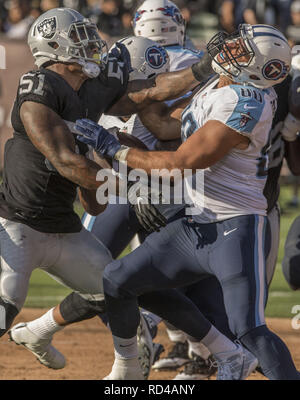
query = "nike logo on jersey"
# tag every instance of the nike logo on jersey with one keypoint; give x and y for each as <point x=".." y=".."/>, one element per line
<point x="248" y="107"/>
<point x="227" y="232"/>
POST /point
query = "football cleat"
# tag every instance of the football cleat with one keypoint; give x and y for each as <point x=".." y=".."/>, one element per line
<point x="124" y="370"/>
<point x="235" y="365"/>
<point x="148" y="352"/>
<point x="45" y="353"/>
<point x="197" y="369"/>
<point x="176" y="358"/>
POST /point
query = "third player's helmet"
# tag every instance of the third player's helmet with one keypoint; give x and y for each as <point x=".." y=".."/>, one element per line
<point x="147" y="57"/>
<point x="258" y="55"/>
<point x="64" y="35"/>
<point x="160" y="20"/>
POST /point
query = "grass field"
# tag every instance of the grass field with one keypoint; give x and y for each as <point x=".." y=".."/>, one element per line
<point x="45" y="292"/>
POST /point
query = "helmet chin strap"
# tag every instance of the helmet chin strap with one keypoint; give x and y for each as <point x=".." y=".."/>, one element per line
<point x="90" y="69"/>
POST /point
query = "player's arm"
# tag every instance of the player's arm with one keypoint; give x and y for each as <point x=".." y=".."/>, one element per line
<point x="204" y="148"/>
<point x="167" y="86"/>
<point x="164" y="121"/>
<point x="291" y="127"/>
<point x="52" y="138"/>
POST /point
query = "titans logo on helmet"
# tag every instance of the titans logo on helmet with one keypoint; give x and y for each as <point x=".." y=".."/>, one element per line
<point x="274" y="69"/>
<point x="173" y="12"/>
<point x="155" y="56"/>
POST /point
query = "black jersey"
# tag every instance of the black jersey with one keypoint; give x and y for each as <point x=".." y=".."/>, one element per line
<point x="276" y="151"/>
<point x="33" y="192"/>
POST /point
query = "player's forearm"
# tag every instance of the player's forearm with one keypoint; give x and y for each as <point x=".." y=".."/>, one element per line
<point x="78" y="169"/>
<point x="89" y="202"/>
<point x="166" y="87"/>
<point x="150" y="160"/>
<point x="161" y="123"/>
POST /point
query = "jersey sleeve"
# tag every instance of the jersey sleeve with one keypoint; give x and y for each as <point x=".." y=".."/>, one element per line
<point x="115" y="76"/>
<point x="37" y="87"/>
<point x="239" y="108"/>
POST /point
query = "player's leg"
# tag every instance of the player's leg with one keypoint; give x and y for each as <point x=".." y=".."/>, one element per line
<point x="238" y="260"/>
<point x="78" y="263"/>
<point x="21" y="251"/>
<point x="118" y="220"/>
<point x="207" y="294"/>
<point x="115" y="228"/>
<point x="139" y="274"/>
<point x="291" y="259"/>
<point x="274" y="228"/>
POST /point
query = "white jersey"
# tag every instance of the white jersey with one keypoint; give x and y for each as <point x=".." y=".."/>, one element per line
<point x="234" y="185"/>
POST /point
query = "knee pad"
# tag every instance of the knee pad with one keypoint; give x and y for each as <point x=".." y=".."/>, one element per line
<point x="75" y="308"/>
<point x="8" y="313"/>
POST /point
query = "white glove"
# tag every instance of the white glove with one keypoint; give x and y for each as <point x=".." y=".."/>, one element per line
<point x="290" y="129"/>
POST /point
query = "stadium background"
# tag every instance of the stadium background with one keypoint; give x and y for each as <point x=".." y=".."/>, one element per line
<point x="113" y="17"/>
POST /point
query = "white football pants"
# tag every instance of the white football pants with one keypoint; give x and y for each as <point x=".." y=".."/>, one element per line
<point x="76" y="260"/>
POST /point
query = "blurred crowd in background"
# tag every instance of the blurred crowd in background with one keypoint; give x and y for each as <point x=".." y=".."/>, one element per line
<point x="203" y="17"/>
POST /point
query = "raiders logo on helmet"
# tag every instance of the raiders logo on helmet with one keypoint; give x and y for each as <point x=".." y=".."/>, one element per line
<point x="274" y="69"/>
<point x="156" y="57"/>
<point x="47" y="28"/>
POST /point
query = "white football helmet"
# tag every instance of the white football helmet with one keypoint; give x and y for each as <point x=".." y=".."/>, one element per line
<point x="147" y="57"/>
<point x="261" y="55"/>
<point x="64" y="35"/>
<point x="160" y="20"/>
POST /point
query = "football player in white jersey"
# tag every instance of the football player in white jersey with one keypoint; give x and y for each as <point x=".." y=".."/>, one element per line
<point x="225" y="136"/>
<point x="162" y="21"/>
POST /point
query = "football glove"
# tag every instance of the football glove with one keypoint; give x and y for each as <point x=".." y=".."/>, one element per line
<point x="103" y="142"/>
<point x="147" y="214"/>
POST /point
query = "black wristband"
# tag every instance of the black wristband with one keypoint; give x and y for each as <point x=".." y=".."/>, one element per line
<point x="202" y="70"/>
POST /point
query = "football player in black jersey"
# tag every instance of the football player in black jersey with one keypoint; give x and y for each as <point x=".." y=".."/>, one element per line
<point x="291" y="259"/>
<point x="44" y="164"/>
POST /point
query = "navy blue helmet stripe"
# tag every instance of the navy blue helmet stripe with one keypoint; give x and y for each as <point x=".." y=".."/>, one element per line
<point x="269" y="34"/>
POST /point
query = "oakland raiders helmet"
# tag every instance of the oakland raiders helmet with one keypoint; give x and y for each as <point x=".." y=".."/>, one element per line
<point x="160" y="20"/>
<point x="263" y="58"/>
<point x="147" y="57"/>
<point x="64" y="35"/>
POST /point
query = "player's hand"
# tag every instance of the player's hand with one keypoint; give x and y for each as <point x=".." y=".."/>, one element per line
<point x="103" y="142"/>
<point x="120" y="52"/>
<point x="147" y="214"/>
<point x="149" y="217"/>
<point x="202" y="70"/>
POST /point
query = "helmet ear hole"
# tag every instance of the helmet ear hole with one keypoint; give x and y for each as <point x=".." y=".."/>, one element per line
<point x="54" y="45"/>
<point x="254" y="77"/>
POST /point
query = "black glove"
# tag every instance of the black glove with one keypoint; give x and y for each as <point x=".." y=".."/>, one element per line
<point x="147" y="214"/>
<point x="202" y="70"/>
<point x="120" y="52"/>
